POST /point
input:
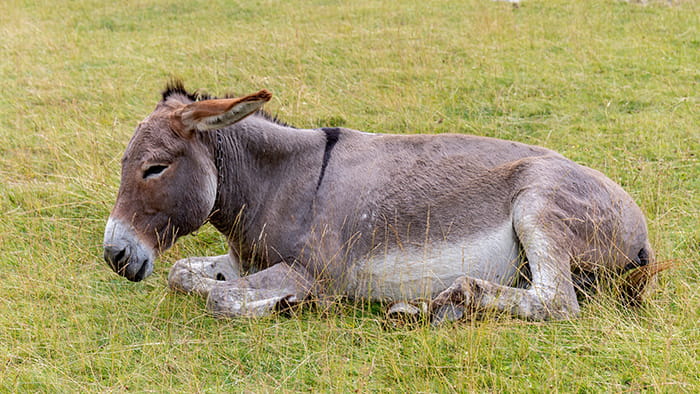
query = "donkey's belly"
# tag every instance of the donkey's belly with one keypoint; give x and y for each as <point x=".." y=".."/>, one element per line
<point x="423" y="271"/>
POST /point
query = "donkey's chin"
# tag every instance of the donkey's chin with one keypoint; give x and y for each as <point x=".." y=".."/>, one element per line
<point x="125" y="253"/>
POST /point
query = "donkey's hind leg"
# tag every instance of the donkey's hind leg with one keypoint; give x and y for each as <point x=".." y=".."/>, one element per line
<point x="200" y="274"/>
<point x="551" y="293"/>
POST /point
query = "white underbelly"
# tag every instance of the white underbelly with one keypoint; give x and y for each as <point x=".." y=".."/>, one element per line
<point x="422" y="272"/>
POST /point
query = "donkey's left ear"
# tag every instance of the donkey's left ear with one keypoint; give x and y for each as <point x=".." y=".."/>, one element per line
<point x="218" y="113"/>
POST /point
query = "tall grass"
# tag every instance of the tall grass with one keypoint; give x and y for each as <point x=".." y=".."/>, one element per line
<point x="611" y="84"/>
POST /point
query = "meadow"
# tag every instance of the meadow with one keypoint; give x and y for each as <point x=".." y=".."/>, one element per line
<point x="611" y="84"/>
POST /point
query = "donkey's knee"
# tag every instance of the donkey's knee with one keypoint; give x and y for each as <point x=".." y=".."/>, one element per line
<point x="199" y="274"/>
<point x="547" y="304"/>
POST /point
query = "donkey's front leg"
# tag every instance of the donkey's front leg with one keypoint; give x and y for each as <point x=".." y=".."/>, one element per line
<point x="261" y="293"/>
<point x="200" y="274"/>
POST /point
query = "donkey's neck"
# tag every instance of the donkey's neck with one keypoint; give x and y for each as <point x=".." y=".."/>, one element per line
<point x="267" y="173"/>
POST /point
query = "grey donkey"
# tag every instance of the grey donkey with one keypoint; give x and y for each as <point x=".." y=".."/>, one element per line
<point x="465" y="223"/>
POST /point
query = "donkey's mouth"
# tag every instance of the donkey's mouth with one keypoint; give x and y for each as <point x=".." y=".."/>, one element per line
<point x="142" y="273"/>
<point x="137" y="269"/>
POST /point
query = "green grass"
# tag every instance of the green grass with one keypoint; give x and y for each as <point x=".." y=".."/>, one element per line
<point x="611" y="84"/>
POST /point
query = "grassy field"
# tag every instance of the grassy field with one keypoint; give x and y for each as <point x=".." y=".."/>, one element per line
<point x="611" y="84"/>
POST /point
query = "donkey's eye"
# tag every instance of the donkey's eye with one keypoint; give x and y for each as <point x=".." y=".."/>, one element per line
<point x="154" y="171"/>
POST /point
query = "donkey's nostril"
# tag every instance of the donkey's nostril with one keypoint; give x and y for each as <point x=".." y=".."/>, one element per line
<point x="220" y="276"/>
<point x="114" y="255"/>
<point x="120" y="255"/>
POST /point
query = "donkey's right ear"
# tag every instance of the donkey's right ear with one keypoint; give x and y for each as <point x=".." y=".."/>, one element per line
<point x="218" y="113"/>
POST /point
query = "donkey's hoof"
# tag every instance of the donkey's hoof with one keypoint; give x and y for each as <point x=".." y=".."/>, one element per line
<point x="447" y="313"/>
<point x="403" y="313"/>
<point x="199" y="274"/>
<point x="185" y="280"/>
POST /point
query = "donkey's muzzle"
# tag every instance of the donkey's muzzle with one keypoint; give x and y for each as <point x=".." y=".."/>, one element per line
<point x="126" y="265"/>
<point x="125" y="253"/>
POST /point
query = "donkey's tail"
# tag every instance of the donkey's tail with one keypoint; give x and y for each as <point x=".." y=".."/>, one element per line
<point x="641" y="275"/>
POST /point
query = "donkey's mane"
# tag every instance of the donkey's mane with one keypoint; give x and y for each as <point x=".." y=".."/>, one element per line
<point x="176" y="86"/>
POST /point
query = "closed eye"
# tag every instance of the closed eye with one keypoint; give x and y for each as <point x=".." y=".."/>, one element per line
<point x="154" y="171"/>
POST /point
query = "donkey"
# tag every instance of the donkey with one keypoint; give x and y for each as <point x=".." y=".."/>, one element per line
<point x="465" y="223"/>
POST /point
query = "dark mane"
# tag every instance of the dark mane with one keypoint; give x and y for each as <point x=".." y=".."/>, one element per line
<point x="272" y="118"/>
<point x="177" y="86"/>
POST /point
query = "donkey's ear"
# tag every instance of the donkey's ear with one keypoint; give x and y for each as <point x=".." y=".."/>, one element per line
<point x="218" y="113"/>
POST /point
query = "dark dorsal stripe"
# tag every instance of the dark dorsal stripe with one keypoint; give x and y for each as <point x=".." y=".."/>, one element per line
<point x="332" y="135"/>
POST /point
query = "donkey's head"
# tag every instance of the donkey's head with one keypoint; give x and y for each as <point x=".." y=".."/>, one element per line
<point x="169" y="179"/>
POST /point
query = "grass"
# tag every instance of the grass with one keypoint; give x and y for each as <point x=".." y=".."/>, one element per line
<point x="611" y="84"/>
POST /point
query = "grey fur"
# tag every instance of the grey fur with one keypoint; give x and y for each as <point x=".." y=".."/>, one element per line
<point x="304" y="222"/>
